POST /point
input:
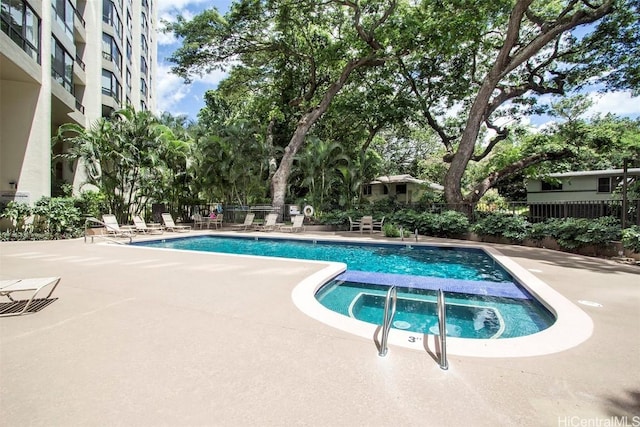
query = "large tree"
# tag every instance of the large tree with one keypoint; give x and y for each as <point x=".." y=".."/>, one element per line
<point x="489" y="62"/>
<point x="310" y="48"/>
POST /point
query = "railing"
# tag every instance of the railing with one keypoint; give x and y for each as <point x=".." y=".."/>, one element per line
<point x="442" y="325"/>
<point x="389" y="311"/>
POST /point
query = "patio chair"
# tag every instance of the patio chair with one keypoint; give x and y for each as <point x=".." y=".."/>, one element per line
<point x="377" y="225"/>
<point x="248" y="222"/>
<point x="143" y="227"/>
<point x="353" y="225"/>
<point x="199" y="222"/>
<point x="366" y="223"/>
<point x="269" y="223"/>
<point x="170" y="225"/>
<point x="113" y="228"/>
<point x="298" y="220"/>
<point x="217" y="221"/>
<point x="35" y="285"/>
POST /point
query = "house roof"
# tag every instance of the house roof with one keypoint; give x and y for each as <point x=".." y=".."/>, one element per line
<point x="605" y="172"/>
<point x="403" y="179"/>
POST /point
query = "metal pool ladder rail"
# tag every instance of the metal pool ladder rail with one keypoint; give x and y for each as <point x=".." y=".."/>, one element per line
<point x="442" y="324"/>
<point x="389" y="311"/>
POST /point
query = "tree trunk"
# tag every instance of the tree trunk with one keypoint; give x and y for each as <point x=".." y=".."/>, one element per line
<point x="281" y="177"/>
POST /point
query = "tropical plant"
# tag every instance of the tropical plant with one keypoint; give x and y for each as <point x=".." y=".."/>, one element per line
<point x="631" y="238"/>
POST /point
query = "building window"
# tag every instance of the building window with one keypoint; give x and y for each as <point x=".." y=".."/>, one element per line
<point x="547" y="186"/>
<point x="110" y="50"/>
<point x="110" y="85"/>
<point x="61" y="65"/>
<point x="129" y="51"/>
<point x="401" y="188"/>
<point x="143" y="45"/>
<point x="143" y="106"/>
<point x="63" y="10"/>
<point x="128" y="80"/>
<point x="111" y="17"/>
<point x="143" y="65"/>
<point x="608" y="184"/>
<point x="385" y="189"/>
<point x="129" y="23"/>
<point x="143" y="87"/>
<point x="366" y="190"/>
<point x="22" y="25"/>
<point x="144" y="24"/>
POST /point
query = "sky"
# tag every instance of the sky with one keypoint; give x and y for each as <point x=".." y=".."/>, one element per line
<point x="178" y="98"/>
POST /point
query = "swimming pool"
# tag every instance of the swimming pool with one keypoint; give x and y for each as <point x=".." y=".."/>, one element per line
<point x="571" y="328"/>
<point x="483" y="299"/>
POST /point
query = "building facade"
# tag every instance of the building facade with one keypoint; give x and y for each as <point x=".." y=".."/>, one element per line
<point x="66" y="61"/>
<point x="404" y="188"/>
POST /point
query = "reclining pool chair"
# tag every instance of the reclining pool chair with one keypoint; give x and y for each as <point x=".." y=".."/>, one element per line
<point x="113" y="228"/>
<point x="269" y="223"/>
<point x="35" y="285"/>
<point x="170" y="225"/>
<point x="298" y="220"/>
<point x="248" y="222"/>
<point x="142" y="227"/>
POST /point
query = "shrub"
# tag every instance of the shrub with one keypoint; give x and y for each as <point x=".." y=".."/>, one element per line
<point x="450" y="224"/>
<point x="502" y="225"/>
<point x="390" y="230"/>
<point x="574" y="233"/>
<point x="631" y="238"/>
<point x="16" y="212"/>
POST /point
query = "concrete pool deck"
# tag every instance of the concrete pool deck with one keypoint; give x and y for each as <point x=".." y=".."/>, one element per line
<point x="150" y="337"/>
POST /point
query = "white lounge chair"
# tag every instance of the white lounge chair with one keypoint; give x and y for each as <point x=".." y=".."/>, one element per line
<point x="298" y="220"/>
<point x="113" y="228"/>
<point x="143" y="227"/>
<point x="35" y="285"/>
<point x="269" y="223"/>
<point x="170" y="225"/>
<point x="248" y="222"/>
<point x="353" y="225"/>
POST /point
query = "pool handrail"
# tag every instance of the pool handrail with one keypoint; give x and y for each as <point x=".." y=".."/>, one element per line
<point x="442" y="324"/>
<point x="392" y="298"/>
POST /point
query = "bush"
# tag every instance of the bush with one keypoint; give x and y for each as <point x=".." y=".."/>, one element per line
<point x="390" y="230"/>
<point x="574" y="233"/>
<point x="450" y="224"/>
<point x="503" y="225"/>
<point x="631" y="238"/>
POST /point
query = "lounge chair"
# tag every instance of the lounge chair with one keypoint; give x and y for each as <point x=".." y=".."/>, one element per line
<point x="353" y="225"/>
<point x="142" y="227"/>
<point x="248" y="222"/>
<point x="366" y="223"/>
<point x="269" y="223"/>
<point x="113" y="228"/>
<point x="377" y="225"/>
<point x="298" y="220"/>
<point x="170" y="225"/>
<point x="7" y="287"/>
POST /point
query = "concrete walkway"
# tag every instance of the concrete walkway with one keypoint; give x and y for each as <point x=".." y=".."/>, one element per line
<point x="150" y="337"/>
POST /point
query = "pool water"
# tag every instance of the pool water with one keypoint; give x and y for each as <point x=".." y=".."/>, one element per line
<point x="483" y="299"/>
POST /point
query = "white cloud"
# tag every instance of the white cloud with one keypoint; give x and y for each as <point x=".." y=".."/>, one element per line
<point x="170" y="89"/>
<point x="619" y="103"/>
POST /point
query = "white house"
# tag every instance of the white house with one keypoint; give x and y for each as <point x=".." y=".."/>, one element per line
<point x="405" y="188"/>
<point x="579" y="186"/>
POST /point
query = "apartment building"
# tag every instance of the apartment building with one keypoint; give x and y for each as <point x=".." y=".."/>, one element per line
<point x="66" y="61"/>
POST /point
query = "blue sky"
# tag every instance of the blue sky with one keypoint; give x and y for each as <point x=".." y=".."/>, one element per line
<point x="177" y="98"/>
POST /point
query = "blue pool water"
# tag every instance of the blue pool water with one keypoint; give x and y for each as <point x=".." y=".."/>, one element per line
<point x="483" y="299"/>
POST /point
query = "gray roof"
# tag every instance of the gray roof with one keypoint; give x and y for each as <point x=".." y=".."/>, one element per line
<point x="605" y="172"/>
<point x="403" y="179"/>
